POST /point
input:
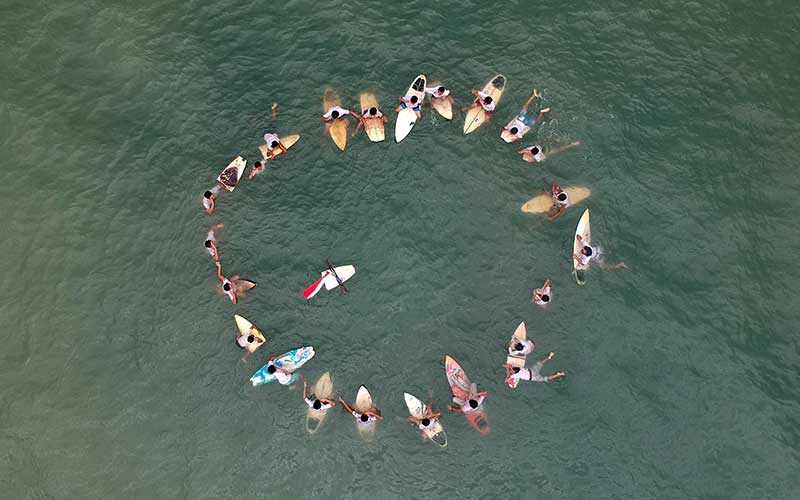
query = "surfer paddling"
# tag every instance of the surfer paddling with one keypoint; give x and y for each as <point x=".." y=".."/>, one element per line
<point x="517" y="126"/>
<point x="521" y="347"/>
<point x="589" y="253"/>
<point x="336" y="112"/>
<point x="361" y="418"/>
<point x="535" y="153"/>
<point x="531" y="374"/>
<point x="211" y="241"/>
<point x="472" y="403"/>
<point x="428" y="420"/>
<point x="412" y="102"/>
<point x="250" y="341"/>
<point x="483" y="100"/>
<point x="283" y="376"/>
<point x="542" y="296"/>
<point x="372" y="113"/>
<point x="560" y="201"/>
<point x="315" y="403"/>
<point x="208" y="199"/>
<point x="228" y="285"/>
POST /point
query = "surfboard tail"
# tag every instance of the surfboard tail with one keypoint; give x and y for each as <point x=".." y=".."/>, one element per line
<point x="315" y="287"/>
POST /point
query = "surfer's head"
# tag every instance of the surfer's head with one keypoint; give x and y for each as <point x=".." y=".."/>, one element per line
<point x="251" y="339"/>
<point x="440" y="90"/>
<point x="317" y="404"/>
<point x="473" y="403"/>
<point x="518" y="347"/>
<point x="208" y="194"/>
<point x="226" y="287"/>
<point x="515" y="369"/>
<point x="208" y="243"/>
<point x="545" y="298"/>
<point x="535" y="150"/>
<point x="274" y="144"/>
<point x="414" y="99"/>
<point x="373" y="111"/>
<point x="587" y="251"/>
<point x="562" y="196"/>
<point x="364" y="417"/>
<point x="258" y="163"/>
<point x="426" y="421"/>
<point x="271" y="369"/>
<point x="514" y="130"/>
<point x="487" y="99"/>
<point x="334" y="114"/>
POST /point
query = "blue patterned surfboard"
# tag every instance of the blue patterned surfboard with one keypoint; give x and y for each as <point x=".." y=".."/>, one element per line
<point x="290" y="361"/>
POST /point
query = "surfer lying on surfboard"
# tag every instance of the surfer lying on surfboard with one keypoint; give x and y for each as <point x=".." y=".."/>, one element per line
<point x="521" y="347"/>
<point x="542" y="296"/>
<point x="273" y="142"/>
<point x="315" y="403"/>
<point x="531" y="374"/>
<point x="410" y="102"/>
<point x="211" y="241"/>
<point x="589" y="253"/>
<point x="439" y="93"/>
<point x="228" y="285"/>
<point x="372" y="113"/>
<point x="284" y="377"/>
<point x="483" y="100"/>
<point x="560" y="201"/>
<point x="361" y="418"/>
<point x="472" y="403"/>
<point x="535" y="153"/>
<point x="428" y="420"/>
<point x="337" y="112"/>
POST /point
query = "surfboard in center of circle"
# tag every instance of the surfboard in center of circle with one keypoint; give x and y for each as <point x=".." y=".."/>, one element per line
<point x="406" y="118"/>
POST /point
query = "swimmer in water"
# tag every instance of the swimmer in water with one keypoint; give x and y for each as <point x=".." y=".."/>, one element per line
<point x="483" y="100"/>
<point x="560" y="201"/>
<point x="372" y="113"/>
<point x="535" y="153"/>
<point x="258" y="167"/>
<point x="315" y="403"/>
<point x="531" y="374"/>
<point x="521" y="347"/>
<point x="542" y="296"/>
<point x="589" y="253"/>
<point x="412" y="102"/>
<point x="228" y="285"/>
<point x="208" y="199"/>
<point x="211" y="241"/>
<point x="361" y="418"/>
<point x="517" y="127"/>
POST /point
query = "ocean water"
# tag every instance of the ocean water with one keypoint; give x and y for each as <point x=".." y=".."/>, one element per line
<point x="119" y="377"/>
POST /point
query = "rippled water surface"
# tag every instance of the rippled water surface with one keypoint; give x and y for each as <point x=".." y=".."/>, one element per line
<point x="118" y="374"/>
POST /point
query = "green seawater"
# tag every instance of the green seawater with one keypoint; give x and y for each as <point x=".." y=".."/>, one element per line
<point x="119" y="377"/>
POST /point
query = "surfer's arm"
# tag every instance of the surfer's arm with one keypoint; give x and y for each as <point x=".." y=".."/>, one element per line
<point x="555" y="215"/>
<point x="210" y="205"/>
<point x="620" y="265"/>
<point x="563" y="148"/>
<point x="305" y="385"/>
<point x="219" y="270"/>
<point x="455" y="409"/>
<point x="358" y="127"/>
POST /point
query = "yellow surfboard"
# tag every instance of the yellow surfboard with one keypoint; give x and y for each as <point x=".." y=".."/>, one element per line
<point x="247" y="328"/>
<point x="544" y="202"/>
<point x="373" y="126"/>
<point x="338" y="127"/>
<point x="287" y="141"/>
<point x="476" y="116"/>
<point x="518" y="361"/>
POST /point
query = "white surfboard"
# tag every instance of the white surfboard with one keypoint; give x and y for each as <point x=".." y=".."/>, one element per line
<point x="232" y="174"/>
<point x="406" y="118"/>
<point x="585" y="231"/>
<point x="344" y="273"/>
<point x="418" y="409"/>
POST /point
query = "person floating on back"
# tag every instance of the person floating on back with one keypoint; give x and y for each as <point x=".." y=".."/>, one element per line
<point x="208" y="199"/>
<point x="211" y="241"/>
<point x="361" y="418"/>
<point x="228" y="285"/>
<point x="412" y="102"/>
<point x="483" y="100"/>
<point x="520" y="123"/>
<point x="535" y="154"/>
<point x="531" y="374"/>
<point x="372" y="113"/>
<point x="315" y="403"/>
<point x="542" y="296"/>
